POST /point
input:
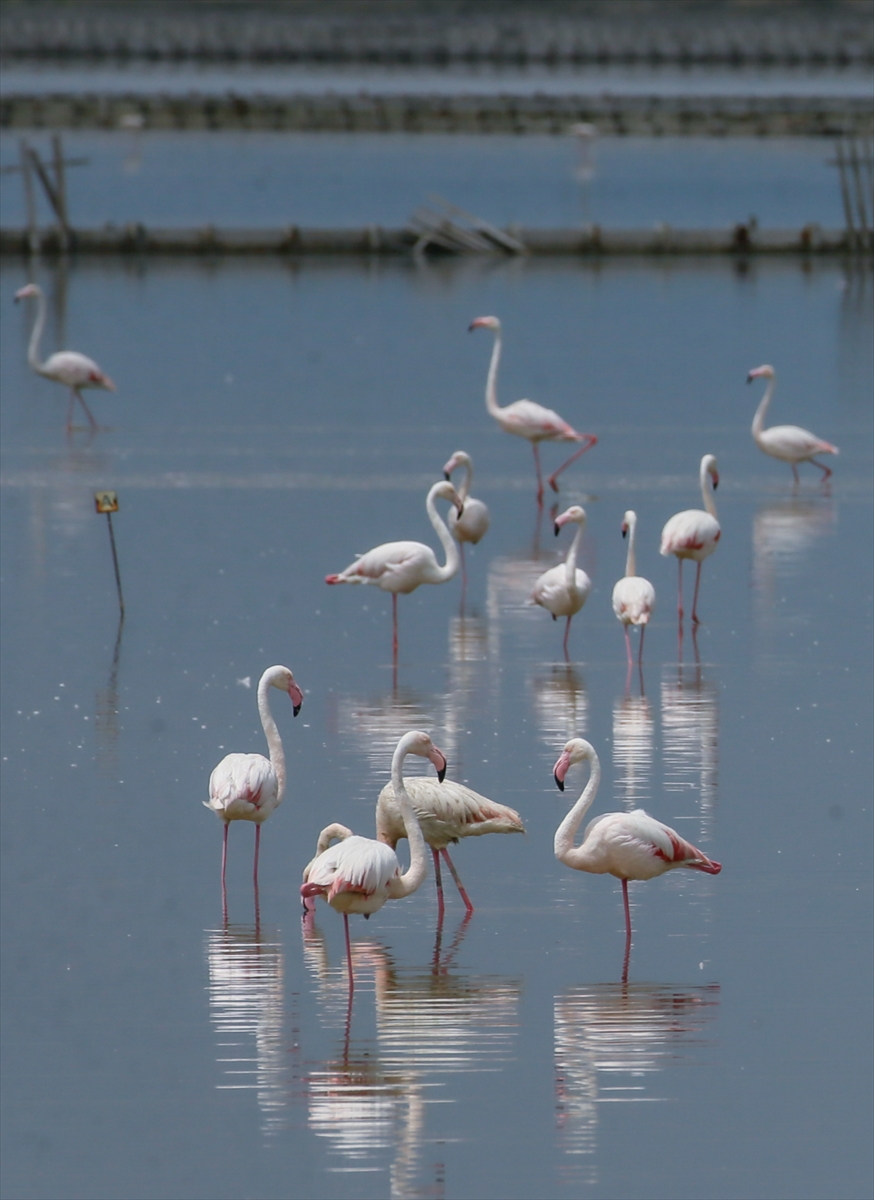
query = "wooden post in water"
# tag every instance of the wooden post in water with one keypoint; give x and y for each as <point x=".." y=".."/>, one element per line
<point x="107" y="502"/>
<point x="29" y="198"/>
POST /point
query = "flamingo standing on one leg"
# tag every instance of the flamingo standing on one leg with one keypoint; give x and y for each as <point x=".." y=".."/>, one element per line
<point x="400" y="567"/>
<point x="629" y="845"/>
<point x="359" y="874"/>
<point x="789" y="443"/>
<point x="68" y="367"/>
<point x="694" y="534"/>
<point x="526" y="419"/>
<point x="247" y="787"/>
<point x="563" y="590"/>
<point x="473" y="523"/>
<point x="446" y="812"/>
<point x="633" y="596"/>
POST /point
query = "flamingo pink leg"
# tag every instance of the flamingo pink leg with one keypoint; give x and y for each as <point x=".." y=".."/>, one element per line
<point x="394" y="626"/>
<point x="458" y="883"/>
<point x="349" y="954"/>
<point x="257" y="852"/>
<point x="88" y="412"/>
<point x="680" y="591"/>
<point x="628" y="646"/>
<point x="627" y="909"/>
<point x="225" y="852"/>
<point x="795" y="474"/>
<point x="695" y="618"/>
<point x="640" y="651"/>
<point x="536" y="448"/>
<point x="439" y="878"/>
<point x="567" y="630"/>
<point x="826" y="471"/>
<point x="587" y="445"/>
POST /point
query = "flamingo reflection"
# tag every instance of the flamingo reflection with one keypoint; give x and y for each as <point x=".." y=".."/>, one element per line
<point x="632" y="750"/>
<point x="784" y="534"/>
<point x="690" y="745"/>
<point x="561" y="703"/>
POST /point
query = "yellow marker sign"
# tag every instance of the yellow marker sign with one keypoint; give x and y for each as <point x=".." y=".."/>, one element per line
<point x="106" y="502"/>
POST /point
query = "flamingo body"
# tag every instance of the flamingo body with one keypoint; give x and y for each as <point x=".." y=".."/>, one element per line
<point x="633" y="600"/>
<point x="563" y="590"/>
<point x="471" y="525"/>
<point x="694" y="533"/>
<point x="789" y="443"/>
<point x="525" y="418"/>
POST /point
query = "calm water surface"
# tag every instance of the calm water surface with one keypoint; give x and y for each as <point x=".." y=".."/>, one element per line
<point x="270" y="422"/>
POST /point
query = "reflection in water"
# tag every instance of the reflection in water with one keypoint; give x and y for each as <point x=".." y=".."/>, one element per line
<point x="561" y="704"/>
<point x="632" y="751"/>
<point x="370" y="1100"/>
<point x="246" y="1010"/>
<point x="106" y="715"/>
<point x="690" y="741"/>
<point x="377" y="725"/>
<point x="783" y="536"/>
<point x="611" y="1040"/>
<point x="509" y="585"/>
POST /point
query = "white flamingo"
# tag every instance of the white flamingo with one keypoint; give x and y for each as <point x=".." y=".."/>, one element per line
<point x="563" y="590"/>
<point x="248" y="787"/>
<point x="68" y="367"/>
<point x="446" y="812"/>
<point x="628" y="845"/>
<point x="358" y="874"/>
<point x="633" y="596"/>
<point x="472" y="524"/>
<point x="694" y="534"/>
<point x="789" y="443"/>
<point x="400" y="567"/>
<point x="526" y="419"/>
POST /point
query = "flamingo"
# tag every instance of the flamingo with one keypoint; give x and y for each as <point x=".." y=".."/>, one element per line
<point x="563" y="590"/>
<point x="628" y="845"/>
<point x="359" y="874"/>
<point x="633" y="596"/>
<point x="473" y="523"/>
<point x="446" y="813"/>
<point x="526" y="419"/>
<point x="68" y="367"/>
<point x="693" y="533"/>
<point x="248" y="787"/>
<point x="400" y="567"/>
<point x="789" y="443"/>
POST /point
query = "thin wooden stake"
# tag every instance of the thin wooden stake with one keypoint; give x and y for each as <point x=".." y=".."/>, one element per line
<point x="61" y="189"/>
<point x="107" y="502"/>
<point x="29" y="199"/>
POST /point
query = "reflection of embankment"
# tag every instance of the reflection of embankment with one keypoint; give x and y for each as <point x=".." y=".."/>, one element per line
<point x="632" y="751"/>
<point x="611" y="1043"/>
<point x="247" y="1013"/>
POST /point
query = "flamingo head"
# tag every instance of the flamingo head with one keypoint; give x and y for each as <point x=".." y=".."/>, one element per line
<point x="763" y="372"/>
<point x="459" y="459"/>
<point x="30" y="289"/>
<point x="628" y="522"/>
<point x="282" y="678"/>
<point x="574" y="513"/>
<point x="417" y="742"/>
<point x="709" y="467"/>
<point x="485" y="323"/>
<point x="576" y="751"/>
<point x="445" y="491"/>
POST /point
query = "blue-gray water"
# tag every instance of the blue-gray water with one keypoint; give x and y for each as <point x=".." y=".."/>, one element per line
<point x="322" y="179"/>
<point x="270" y="422"/>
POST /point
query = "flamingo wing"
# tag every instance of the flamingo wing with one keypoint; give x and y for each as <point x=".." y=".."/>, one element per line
<point x="537" y="423"/>
<point x="76" y="370"/>
<point x="446" y="811"/>
<point x="393" y="566"/>
<point x="791" y="443"/>
<point x="636" y="846"/>
<point x="633" y="600"/>
<point x="357" y="866"/>
<point x="692" y="533"/>
<point x="243" y="786"/>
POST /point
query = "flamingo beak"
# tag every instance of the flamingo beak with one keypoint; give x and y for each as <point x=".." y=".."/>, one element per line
<point x="715" y="481"/>
<point x="296" y="697"/>
<point x="556" y="527"/>
<point x="445" y="474"/>
<point x="438" y="758"/>
<point x="561" y="769"/>
<point x="751" y="376"/>
<point x="624" y="530"/>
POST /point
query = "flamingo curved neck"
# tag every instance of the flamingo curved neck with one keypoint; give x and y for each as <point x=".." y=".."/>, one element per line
<point x="759" y="418"/>
<point x="274" y="741"/>
<point x="413" y="878"/>
<point x="464" y="490"/>
<point x="707" y="492"/>
<point x="36" y="335"/>
<point x="565" y="851"/>
<point x="570" y="565"/>
<point x="492" y="380"/>
<point x="631" y="560"/>
<point x="450" y="568"/>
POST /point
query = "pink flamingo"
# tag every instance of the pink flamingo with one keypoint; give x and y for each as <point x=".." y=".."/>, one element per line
<point x="526" y="419"/>
<point x="633" y="596"/>
<point x="446" y="812"/>
<point x="563" y="590"/>
<point x="694" y="534"/>
<point x="472" y="524"/>
<point x="400" y="567"/>
<point x="359" y="874"/>
<point x="248" y="787"/>
<point x="789" y="443"/>
<point x="630" y="845"/>
<point x="68" y="367"/>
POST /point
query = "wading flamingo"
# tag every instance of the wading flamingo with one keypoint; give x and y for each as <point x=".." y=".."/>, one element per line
<point x="446" y="812"/>
<point x="472" y="524"/>
<point x="563" y="590"/>
<point x="629" y="845"/>
<point x="247" y="787"/>
<point x="359" y="874"/>
<point x="789" y="443"/>
<point x="68" y="367"/>
<point x="400" y="567"/>
<point x="526" y="419"/>
<point x="694" y="533"/>
<point x="633" y="596"/>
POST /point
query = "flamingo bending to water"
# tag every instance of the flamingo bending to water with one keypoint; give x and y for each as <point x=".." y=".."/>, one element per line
<point x="526" y="419"/>
<point x="633" y="596"/>
<point x="400" y="567"/>
<point x="472" y="524"/>
<point x="693" y="533"/>
<point x="74" y="370"/>
<point x="248" y="787"/>
<point x="359" y="874"/>
<point x="630" y="845"/>
<point x="789" y="443"/>
<point x="446" y="812"/>
<point x="563" y="590"/>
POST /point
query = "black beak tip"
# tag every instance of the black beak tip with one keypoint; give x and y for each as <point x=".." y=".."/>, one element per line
<point x="441" y="774"/>
<point x="624" y="532"/>
<point x="555" y="529"/>
<point x="446" y="476"/>
<point x="296" y="709"/>
<point x="559" y="783"/>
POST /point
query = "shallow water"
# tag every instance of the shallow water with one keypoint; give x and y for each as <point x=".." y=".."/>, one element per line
<point x="270" y="422"/>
